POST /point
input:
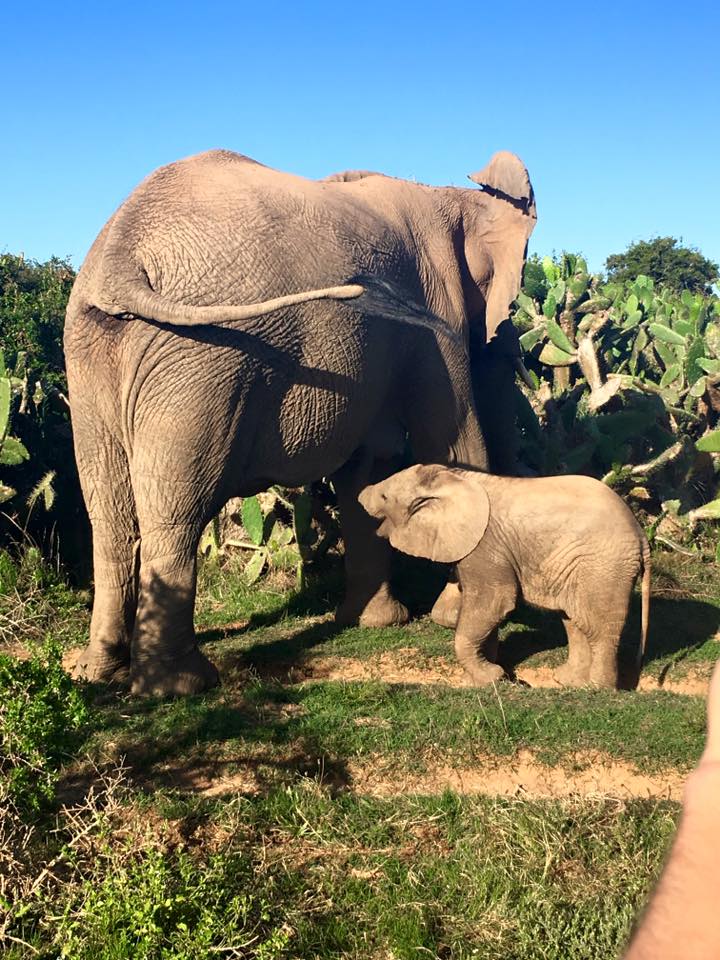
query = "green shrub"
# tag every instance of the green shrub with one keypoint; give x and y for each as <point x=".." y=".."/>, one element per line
<point x="33" y="297"/>
<point x="150" y="904"/>
<point x="38" y="477"/>
<point x="623" y="384"/>
<point x="42" y="714"/>
<point x="282" y="529"/>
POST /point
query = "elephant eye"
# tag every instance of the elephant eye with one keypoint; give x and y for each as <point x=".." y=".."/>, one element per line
<point x="418" y="504"/>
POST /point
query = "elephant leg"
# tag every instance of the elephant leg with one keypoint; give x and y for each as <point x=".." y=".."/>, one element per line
<point x="575" y="672"/>
<point x="604" y="646"/>
<point x="604" y="622"/>
<point x="446" y="610"/>
<point x="175" y="499"/>
<point x="476" y="637"/>
<point x="368" y="596"/>
<point x="165" y="657"/>
<point x="109" y="497"/>
<point x="494" y="389"/>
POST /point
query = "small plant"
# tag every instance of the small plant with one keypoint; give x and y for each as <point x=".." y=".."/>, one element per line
<point x="42" y="712"/>
<point x="12" y="451"/>
<point x="285" y="529"/>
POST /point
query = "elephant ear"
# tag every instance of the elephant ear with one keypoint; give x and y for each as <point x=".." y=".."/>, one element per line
<point x="506" y="177"/>
<point x="442" y="521"/>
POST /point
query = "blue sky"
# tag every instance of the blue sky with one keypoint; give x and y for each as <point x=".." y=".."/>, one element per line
<point x="614" y="108"/>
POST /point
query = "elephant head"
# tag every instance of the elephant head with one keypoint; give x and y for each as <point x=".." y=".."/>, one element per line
<point x="497" y="225"/>
<point x="430" y="511"/>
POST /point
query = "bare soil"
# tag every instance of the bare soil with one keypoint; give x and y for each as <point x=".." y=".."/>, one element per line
<point x="522" y="777"/>
<point x="406" y="666"/>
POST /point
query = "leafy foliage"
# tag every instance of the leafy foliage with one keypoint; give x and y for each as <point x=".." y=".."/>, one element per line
<point x="624" y="384"/>
<point x="12" y="451"/>
<point x="38" y="477"/>
<point x="283" y="529"/>
<point x="41" y="713"/>
<point x="667" y="263"/>
<point x="33" y="297"/>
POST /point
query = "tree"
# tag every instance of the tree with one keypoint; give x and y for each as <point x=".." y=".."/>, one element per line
<point x="33" y="297"/>
<point x="667" y="262"/>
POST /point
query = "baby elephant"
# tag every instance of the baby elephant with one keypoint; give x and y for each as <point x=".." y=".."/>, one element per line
<point x="562" y="543"/>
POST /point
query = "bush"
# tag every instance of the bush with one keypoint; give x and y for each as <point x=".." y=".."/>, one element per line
<point x="114" y="880"/>
<point x="33" y="297"/>
<point x="623" y="384"/>
<point x="38" y="477"/>
<point x="42" y="714"/>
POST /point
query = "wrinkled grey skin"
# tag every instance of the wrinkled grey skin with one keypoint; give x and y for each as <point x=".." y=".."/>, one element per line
<point x="562" y="543"/>
<point x="216" y="343"/>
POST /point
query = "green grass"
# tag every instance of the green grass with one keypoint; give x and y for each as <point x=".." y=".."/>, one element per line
<point x="300" y="873"/>
<point x="293" y="730"/>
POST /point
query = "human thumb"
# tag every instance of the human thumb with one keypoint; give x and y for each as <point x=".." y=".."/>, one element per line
<point x="712" y="743"/>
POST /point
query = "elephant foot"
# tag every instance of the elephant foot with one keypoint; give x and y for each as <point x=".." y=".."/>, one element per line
<point x="483" y="674"/>
<point x="100" y="665"/>
<point x="568" y="675"/>
<point x="190" y="674"/>
<point x="382" y="610"/>
<point x="447" y="606"/>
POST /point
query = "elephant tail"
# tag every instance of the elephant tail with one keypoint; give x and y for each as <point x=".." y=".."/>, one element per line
<point x="118" y="282"/>
<point x="124" y="290"/>
<point x="645" y="601"/>
<point x="138" y="299"/>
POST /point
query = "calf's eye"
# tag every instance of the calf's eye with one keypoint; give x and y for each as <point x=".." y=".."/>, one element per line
<point x="418" y="504"/>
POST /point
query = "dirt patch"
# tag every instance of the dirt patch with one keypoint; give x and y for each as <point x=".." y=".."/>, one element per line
<point x="70" y="658"/>
<point x="523" y="777"/>
<point x="693" y="684"/>
<point x="406" y="665"/>
<point x="16" y="650"/>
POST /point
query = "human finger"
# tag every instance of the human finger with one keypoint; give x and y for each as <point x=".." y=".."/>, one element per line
<point x="712" y="743"/>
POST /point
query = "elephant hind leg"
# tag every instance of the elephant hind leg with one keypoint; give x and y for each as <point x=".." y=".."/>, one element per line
<point x="575" y="672"/>
<point x="172" y="514"/>
<point x="593" y="655"/>
<point x="165" y="658"/>
<point x="109" y="497"/>
<point x="605" y="646"/>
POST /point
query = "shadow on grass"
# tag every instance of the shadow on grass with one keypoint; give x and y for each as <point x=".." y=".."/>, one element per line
<point x="417" y="584"/>
<point x="262" y="742"/>
<point x="277" y="658"/>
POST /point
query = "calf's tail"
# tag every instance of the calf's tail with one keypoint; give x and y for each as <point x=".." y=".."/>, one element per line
<point x="645" y="602"/>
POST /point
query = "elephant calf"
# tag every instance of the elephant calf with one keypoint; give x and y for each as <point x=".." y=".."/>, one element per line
<point x="563" y="543"/>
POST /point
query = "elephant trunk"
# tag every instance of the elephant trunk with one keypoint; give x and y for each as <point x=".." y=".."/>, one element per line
<point x="470" y="450"/>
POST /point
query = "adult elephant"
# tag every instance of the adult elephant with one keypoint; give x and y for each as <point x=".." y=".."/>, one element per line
<point x="215" y="345"/>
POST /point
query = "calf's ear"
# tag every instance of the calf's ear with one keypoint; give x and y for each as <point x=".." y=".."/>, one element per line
<point x="442" y="522"/>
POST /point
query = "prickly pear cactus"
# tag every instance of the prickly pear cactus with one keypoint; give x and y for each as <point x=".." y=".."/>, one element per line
<point x="625" y="384"/>
<point x="12" y="451"/>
